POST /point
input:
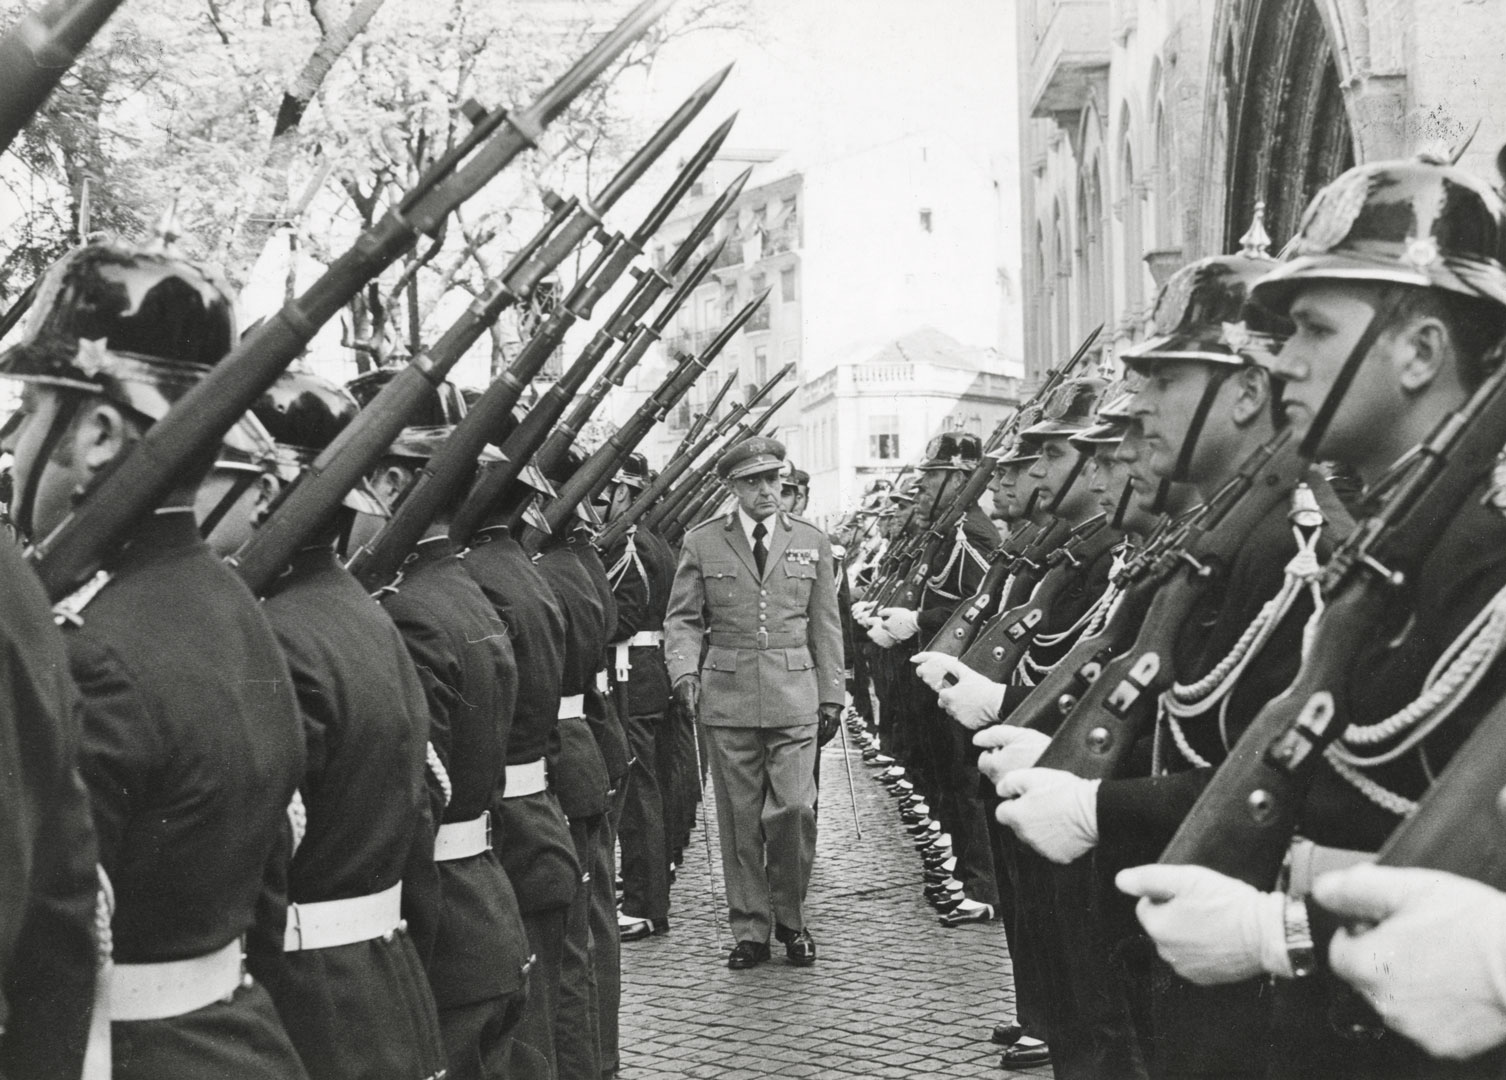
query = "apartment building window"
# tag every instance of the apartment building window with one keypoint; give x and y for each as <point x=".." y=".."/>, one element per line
<point x="883" y="438"/>
<point x="761" y="364"/>
<point x="729" y="300"/>
<point x="787" y="285"/>
<point x="925" y="220"/>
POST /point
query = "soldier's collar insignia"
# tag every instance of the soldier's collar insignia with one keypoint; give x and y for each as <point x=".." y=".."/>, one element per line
<point x="1334" y="213"/>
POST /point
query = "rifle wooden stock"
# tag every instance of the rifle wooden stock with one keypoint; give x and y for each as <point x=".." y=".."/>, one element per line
<point x="37" y="52"/>
<point x="1243" y="822"/>
<point x="957" y="633"/>
<point x="1030" y="566"/>
<point x="1102" y="729"/>
<point x="999" y="648"/>
<point x="191" y="432"/>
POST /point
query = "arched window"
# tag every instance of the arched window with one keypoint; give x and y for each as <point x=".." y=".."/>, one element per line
<point x="1063" y="300"/>
<point x="1134" y="240"/>
<point x="1092" y="298"/>
<point x="1168" y="208"/>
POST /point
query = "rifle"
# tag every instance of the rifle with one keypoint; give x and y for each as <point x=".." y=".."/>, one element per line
<point x="191" y="431"/>
<point x="677" y="465"/>
<point x="701" y="419"/>
<point x="709" y="489"/>
<point x="1243" y="821"/>
<point x="37" y="51"/>
<point x="596" y="470"/>
<point x="342" y="464"/>
<point x="438" y="483"/>
<point x="533" y="432"/>
<point x="1000" y="645"/>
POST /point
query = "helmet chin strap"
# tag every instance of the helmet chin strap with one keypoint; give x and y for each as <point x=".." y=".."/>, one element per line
<point x="1216" y="377"/>
<point x="1335" y="397"/>
<point x="1081" y="463"/>
<point x="237" y="488"/>
<point x="1163" y="495"/>
<point x="1117" y="521"/>
<point x="23" y="502"/>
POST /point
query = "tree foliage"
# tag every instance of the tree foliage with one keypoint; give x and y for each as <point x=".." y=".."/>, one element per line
<point x="278" y="129"/>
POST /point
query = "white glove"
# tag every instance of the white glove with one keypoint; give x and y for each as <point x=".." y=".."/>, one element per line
<point x="1007" y="748"/>
<point x="934" y="667"/>
<point x="975" y="701"/>
<point x="1435" y="965"/>
<point x="881" y="637"/>
<point x="901" y="623"/>
<point x="1210" y="928"/>
<point x="1051" y="810"/>
<point x="862" y="609"/>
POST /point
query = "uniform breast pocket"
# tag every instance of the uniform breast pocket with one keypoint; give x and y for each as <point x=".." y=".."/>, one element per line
<point x="721" y="582"/>
<point x="800" y="577"/>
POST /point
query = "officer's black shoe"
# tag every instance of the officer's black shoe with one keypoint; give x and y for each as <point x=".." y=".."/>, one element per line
<point x="799" y="946"/>
<point x="1025" y="1052"/>
<point x="1006" y="1033"/>
<point x="747" y="954"/>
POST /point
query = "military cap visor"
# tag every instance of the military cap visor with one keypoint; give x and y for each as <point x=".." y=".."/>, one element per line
<point x="1107" y="433"/>
<point x="1385" y="264"/>
<point x="757" y="456"/>
<point x="288" y="463"/>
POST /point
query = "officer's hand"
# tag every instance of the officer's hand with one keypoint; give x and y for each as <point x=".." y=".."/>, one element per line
<point x="900" y="623"/>
<point x="1051" y="810"/>
<point x="1435" y="965"/>
<point x="828" y="717"/>
<point x="688" y="695"/>
<point x="975" y="702"/>
<point x="1007" y="748"/>
<point x="881" y="637"/>
<point x="1210" y="928"/>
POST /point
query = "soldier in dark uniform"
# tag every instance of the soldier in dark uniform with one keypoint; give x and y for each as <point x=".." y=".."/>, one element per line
<point x="640" y="569"/>
<point x="192" y="747"/>
<point x="1397" y="292"/>
<point x="531" y="834"/>
<point x="478" y="968"/>
<point x="48" y="944"/>
<point x="347" y="978"/>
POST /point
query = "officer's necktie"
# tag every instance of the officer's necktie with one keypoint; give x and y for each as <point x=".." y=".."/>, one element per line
<point x="760" y="549"/>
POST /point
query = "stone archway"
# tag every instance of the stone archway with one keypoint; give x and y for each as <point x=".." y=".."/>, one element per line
<point x="1288" y="125"/>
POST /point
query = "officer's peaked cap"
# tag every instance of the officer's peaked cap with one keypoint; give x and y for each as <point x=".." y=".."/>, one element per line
<point x="751" y="457"/>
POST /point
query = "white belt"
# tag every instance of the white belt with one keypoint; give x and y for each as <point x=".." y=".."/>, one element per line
<point x="572" y="706"/>
<point x="462" y="839"/>
<point x="343" y="922"/>
<point x="530" y="778"/>
<point x="602" y="686"/>
<point x="643" y="639"/>
<point x="176" y="987"/>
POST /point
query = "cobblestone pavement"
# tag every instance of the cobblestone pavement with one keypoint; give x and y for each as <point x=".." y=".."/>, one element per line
<point x="893" y="995"/>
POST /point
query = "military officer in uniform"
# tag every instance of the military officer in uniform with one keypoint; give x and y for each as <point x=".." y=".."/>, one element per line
<point x="755" y="587"/>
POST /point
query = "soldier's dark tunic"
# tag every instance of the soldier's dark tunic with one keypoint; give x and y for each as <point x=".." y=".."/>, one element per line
<point x="361" y="1009"/>
<point x="192" y="749"/>
<point x="48" y="949"/>
<point x="531" y="834"/>
<point x="641" y="573"/>
<point x="465" y="662"/>
<point x="584" y="784"/>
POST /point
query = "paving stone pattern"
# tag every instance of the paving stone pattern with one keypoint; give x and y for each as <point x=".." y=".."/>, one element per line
<point x="892" y="996"/>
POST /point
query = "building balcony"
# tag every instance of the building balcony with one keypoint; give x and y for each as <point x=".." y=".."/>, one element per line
<point x="781" y="240"/>
<point x="1071" y="55"/>
<point x="731" y="254"/>
<point x="759" y="320"/>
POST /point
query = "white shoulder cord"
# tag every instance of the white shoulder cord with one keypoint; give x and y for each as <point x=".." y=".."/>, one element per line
<point x="436" y="767"/>
<point x="961" y="547"/>
<point x="298" y="818"/>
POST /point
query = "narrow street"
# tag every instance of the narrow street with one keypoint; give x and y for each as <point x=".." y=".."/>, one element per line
<point x="893" y="995"/>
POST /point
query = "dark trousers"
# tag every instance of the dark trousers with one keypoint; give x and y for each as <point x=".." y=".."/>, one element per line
<point x="1029" y="980"/>
<point x="645" y="850"/>
<point x="532" y="1054"/>
<point x="478" y="1036"/>
<point x="959" y="807"/>
<point x="605" y="935"/>
<point x="576" y="1034"/>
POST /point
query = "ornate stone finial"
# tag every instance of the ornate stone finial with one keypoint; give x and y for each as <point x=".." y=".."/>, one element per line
<point x="167" y="231"/>
<point x="1256" y="242"/>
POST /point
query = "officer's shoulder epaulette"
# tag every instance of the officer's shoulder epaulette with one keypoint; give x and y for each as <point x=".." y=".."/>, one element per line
<point x="802" y="521"/>
<point x="705" y="524"/>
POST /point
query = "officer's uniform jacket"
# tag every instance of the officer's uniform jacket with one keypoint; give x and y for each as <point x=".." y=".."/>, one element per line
<point x="773" y="644"/>
<point x="466" y="666"/>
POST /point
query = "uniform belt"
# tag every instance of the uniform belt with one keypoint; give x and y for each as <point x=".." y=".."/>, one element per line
<point x="760" y="640"/>
<point x="343" y="922"/>
<point x="572" y="706"/>
<point x="530" y="778"/>
<point x="602" y="686"/>
<point x="177" y="987"/>
<point x="462" y="839"/>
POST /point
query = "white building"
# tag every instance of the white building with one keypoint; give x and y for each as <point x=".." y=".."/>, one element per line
<point x="864" y="252"/>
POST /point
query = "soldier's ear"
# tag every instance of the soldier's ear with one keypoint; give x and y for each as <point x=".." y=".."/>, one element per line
<point x="1419" y="352"/>
<point x="102" y="433"/>
<point x="1252" y="394"/>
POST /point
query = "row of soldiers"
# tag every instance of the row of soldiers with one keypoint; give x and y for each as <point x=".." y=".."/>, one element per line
<point x="1241" y="641"/>
<point x="315" y="832"/>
